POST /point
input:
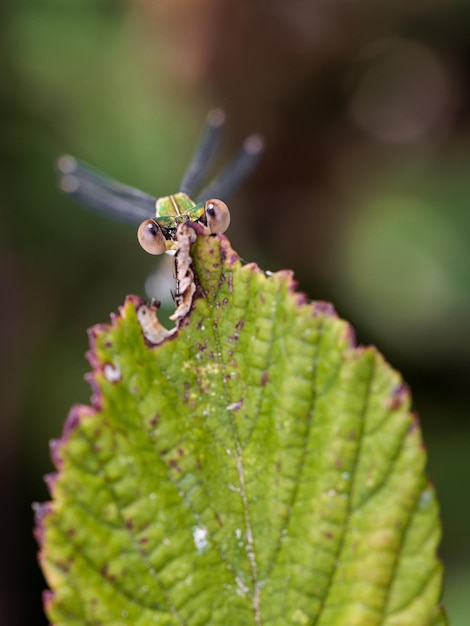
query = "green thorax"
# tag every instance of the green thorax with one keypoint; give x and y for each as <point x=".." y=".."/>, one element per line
<point x="177" y="208"/>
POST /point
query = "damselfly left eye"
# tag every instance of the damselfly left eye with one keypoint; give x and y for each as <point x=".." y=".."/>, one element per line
<point x="151" y="238"/>
<point x="217" y="216"/>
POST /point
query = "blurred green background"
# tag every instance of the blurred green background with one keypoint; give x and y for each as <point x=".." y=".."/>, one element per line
<point x="364" y="191"/>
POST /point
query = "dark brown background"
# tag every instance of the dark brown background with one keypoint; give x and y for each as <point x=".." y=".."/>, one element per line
<point x="364" y="190"/>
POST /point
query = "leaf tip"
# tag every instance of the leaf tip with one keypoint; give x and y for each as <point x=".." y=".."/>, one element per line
<point x="323" y="308"/>
<point x="133" y="300"/>
<point x="76" y="414"/>
<point x="415" y="424"/>
<point x="40" y="510"/>
<point x="73" y="418"/>
<point x="399" y="396"/>
<point x="47" y="599"/>
<point x="50" y="480"/>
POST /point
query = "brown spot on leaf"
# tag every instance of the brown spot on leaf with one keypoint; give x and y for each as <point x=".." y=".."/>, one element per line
<point x="219" y="519"/>
<point x="174" y="464"/>
<point x="154" y="420"/>
<point x="264" y="378"/>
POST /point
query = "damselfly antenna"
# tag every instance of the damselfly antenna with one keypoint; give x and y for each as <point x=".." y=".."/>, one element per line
<point x="160" y="217"/>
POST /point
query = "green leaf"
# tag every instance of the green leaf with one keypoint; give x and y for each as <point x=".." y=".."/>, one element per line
<point x="255" y="467"/>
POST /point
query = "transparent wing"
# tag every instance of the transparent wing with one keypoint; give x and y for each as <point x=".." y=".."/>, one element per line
<point x="205" y="152"/>
<point x="102" y="194"/>
<point x="238" y="170"/>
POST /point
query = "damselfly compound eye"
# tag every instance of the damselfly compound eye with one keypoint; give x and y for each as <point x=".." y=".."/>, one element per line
<point x="217" y="216"/>
<point x="151" y="238"/>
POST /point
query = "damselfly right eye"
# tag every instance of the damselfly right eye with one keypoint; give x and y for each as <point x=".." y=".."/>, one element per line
<point x="151" y="238"/>
<point x="217" y="216"/>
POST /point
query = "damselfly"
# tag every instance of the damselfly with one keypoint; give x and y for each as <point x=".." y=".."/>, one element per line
<point x="160" y="217"/>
